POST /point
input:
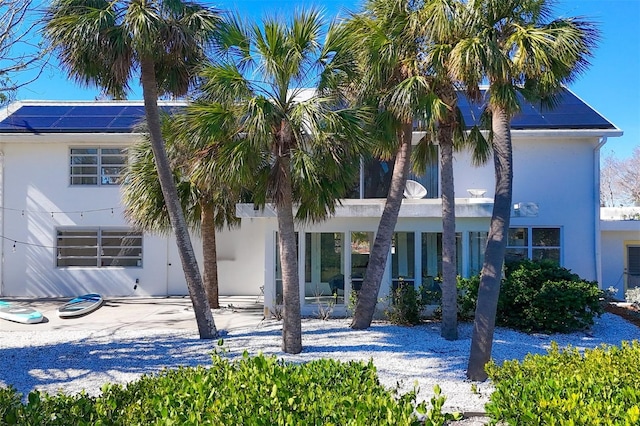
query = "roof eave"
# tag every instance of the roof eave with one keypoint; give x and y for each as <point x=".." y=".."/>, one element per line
<point x="568" y="133"/>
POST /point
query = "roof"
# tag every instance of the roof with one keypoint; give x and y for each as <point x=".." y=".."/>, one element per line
<point x="76" y="117"/>
<point x="38" y="117"/>
<point x="571" y="113"/>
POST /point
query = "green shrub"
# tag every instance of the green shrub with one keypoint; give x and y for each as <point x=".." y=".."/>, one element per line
<point x="406" y="305"/>
<point x="545" y="297"/>
<point x="537" y="297"/>
<point x="43" y="409"/>
<point x="467" y="297"/>
<point x="250" y="391"/>
<point x="566" y="388"/>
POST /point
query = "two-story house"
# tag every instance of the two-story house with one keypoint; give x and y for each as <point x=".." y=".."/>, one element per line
<point x="63" y="231"/>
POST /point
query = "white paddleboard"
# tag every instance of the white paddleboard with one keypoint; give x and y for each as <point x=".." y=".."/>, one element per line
<point x="80" y="305"/>
<point x="22" y="314"/>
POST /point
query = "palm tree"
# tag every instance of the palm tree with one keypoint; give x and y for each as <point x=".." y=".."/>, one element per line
<point x="208" y="203"/>
<point x="103" y="42"/>
<point x="389" y="36"/>
<point x="444" y="21"/>
<point x="295" y="145"/>
<point x="521" y="54"/>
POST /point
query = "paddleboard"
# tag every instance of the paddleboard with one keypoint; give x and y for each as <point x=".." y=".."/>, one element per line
<point x="80" y="305"/>
<point x="22" y="314"/>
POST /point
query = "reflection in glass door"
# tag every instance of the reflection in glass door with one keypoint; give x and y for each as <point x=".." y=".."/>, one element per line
<point x="324" y="268"/>
<point x="403" y="258"/>
<point x="432" y="256"/>
<point x="279" y="294"/>
<point x="361" y="244"/>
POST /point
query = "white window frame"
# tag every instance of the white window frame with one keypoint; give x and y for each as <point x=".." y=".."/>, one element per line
<point x="100" y="248"/>
<point x="101" y="176"/>
<point x="529" y="243"/>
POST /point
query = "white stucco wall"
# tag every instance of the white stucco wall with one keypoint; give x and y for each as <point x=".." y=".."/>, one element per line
<point x="558" y="175"/>
<point x="36" y="183"/>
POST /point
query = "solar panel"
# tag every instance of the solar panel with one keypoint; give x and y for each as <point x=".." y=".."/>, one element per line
<point x="571" y="113"/>
<point x="73" y="119"/>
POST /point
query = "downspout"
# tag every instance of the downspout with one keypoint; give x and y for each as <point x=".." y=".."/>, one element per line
<point x="596" y="198"/>
<point x="2" y="222"/>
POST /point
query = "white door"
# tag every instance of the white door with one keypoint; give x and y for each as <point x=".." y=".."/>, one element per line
<point x="176" y="282"/>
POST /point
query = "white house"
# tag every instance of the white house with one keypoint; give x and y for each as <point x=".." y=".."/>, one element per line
<point x="63" y="231"/>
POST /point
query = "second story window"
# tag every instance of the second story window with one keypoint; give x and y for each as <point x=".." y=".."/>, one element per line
<point x="97" y="166"/>
<point x="375" y="179"/>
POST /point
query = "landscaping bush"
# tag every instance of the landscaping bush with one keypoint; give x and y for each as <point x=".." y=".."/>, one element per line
<point x="406" y="305"/>
<point x="600" y="387"/>
<point x="467" y="297"/>
<point x="545" y="297"/>
<point x="251" y="391"/>
<point x="537" y="297"/>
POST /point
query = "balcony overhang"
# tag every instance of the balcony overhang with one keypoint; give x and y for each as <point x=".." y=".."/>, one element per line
<point x="411" y="208"/>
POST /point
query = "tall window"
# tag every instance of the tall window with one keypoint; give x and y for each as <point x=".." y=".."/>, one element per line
<point x="324" y="267"/>
<point x="534" y="243"/>
<point x="279" y="291"/>
<point x="432" y="255"/>
<point x="97" y="166"/>
<point x="98" y="247"/>
<point x="403" y="258"/>
<point x="477" y="245"/>
<point x="376" y="179"/>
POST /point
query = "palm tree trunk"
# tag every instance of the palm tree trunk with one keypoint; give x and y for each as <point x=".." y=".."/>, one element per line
<point x="368" y="295"/>
<point x="449" y="325"/>
<point x="209" y="254"/>
<point x="291" y="327"/>
<point x="204" y="317"/>
<point x="489" y="291"/>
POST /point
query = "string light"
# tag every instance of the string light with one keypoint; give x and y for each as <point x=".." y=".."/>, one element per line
<point x="23" y="212"/>
<point x="16" y="242"/>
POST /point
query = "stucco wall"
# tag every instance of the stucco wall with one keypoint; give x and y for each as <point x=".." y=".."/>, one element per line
<point x="558" y="175"/>
<point x="36" y="183"/>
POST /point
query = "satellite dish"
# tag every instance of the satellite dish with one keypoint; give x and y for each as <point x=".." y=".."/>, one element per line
<point x="413" y="189"/>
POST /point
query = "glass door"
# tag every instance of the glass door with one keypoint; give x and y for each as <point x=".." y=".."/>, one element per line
<point x="324" y="268"/>
<point x="403" y="259"/>
<point x="361" y="244"/>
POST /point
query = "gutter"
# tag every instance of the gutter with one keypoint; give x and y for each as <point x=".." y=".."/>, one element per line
<point x="2" y="222"/>
<point x="596" y="198"/>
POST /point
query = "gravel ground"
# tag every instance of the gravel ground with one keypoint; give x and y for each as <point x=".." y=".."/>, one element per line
<point x="75" y="360"/>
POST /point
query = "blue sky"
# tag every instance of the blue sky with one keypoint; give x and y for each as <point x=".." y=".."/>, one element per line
<point x="611" y="85"/>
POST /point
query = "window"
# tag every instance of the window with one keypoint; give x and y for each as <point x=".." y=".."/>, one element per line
<point x="403" y="258"/>
<point x="477" y="245"/>
<point x="376" y="178"/>
<point x="534" y="244"/>
<point x="324" y="267"/>
<point x="98" y="247"/>
<point x="279" y="290"/>
<point x="97" y="166"/>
